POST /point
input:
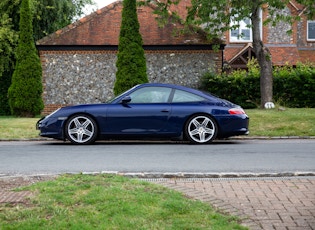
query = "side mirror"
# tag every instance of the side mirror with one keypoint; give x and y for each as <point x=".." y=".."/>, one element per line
<point x="126" y="100"/>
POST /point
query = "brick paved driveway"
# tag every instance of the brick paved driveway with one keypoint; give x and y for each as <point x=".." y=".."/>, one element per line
<point x="264" y="203"/>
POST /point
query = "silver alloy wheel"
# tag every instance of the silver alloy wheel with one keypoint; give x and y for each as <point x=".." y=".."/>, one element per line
<point x="81" y="130"/>
<point x="201" y="129"/>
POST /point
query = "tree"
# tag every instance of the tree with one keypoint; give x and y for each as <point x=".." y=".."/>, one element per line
<point x="48" y="16"/>
<point x="216" y="17"/>
<point x="8" y="39"/>
<point x="131" y="64"/>
<point x="51" y="15"/>
<point x="26" y="88"/>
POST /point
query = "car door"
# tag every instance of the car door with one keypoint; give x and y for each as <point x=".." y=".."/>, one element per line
<point x="147" y="113"/>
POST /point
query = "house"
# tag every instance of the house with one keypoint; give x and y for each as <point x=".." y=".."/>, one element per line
<point x="286" y="49"/>
<point x="79" y="60"/>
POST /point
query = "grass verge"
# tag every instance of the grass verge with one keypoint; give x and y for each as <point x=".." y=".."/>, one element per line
<point x="288" y="122"/>
<point x="18" y="128"/>
<point x="110" y="202"/>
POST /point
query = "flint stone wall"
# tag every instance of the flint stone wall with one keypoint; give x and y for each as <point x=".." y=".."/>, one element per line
<point x="76" y="77"/>
<point x="278" y="34"/>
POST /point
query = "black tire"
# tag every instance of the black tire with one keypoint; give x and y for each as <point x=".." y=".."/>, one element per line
<point x="201" y="129"/>
<point x="81" y="129"/>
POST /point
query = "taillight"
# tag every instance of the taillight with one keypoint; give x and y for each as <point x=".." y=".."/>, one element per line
<point x="236" y="111"/>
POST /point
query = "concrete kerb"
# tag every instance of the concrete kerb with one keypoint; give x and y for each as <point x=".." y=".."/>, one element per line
<point x="201" y="175"/>
<point x="181" y="175"/>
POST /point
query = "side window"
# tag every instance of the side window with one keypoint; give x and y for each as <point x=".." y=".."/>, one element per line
<point x="150" y="95"/>
<point x="183" y="96"/>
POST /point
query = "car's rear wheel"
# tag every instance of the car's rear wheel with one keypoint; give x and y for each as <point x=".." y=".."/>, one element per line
<point x="81" y="129"/>
<point x="201" y="129"/>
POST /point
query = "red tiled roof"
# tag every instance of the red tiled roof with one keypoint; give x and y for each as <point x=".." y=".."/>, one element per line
<point x="103" y="26"/>
<point x="239" y="52"/>
<point x="231" y="52"/>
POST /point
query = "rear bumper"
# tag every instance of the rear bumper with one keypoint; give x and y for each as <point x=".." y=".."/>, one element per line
<point x="234" y="126"/>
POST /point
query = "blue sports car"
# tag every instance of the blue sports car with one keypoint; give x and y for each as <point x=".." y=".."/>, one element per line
<point x="148" y="111"/>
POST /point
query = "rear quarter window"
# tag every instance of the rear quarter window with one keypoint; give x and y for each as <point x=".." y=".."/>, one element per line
<point x="183" y="96"/>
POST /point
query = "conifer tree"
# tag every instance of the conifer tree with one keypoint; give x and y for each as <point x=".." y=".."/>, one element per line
<point x="26" y="88"/>
<point x="131" y="64"/>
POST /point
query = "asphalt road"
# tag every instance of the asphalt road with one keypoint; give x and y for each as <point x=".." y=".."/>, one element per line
<point x="234" y="156"/>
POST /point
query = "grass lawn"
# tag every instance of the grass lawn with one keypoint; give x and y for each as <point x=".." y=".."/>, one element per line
<point x="290" y="122"/>
<point x="110" y="202"/>
<point x="18" y="128"/>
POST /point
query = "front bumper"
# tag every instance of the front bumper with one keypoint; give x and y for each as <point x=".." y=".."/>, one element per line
<point x="51" y="127"/>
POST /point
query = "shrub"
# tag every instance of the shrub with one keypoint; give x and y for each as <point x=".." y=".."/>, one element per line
<point x="240" y="86"/>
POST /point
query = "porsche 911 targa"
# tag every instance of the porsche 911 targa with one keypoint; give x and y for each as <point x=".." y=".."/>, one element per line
<point x="148" y="111"/>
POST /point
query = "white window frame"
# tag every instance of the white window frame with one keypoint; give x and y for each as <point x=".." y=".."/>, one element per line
<point x="243" y="28"/>
<point x="308" y="28"/>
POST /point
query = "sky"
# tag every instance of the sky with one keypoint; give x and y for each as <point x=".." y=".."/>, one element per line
<point x="102" y="3"/>
<point x="99" y="4"/>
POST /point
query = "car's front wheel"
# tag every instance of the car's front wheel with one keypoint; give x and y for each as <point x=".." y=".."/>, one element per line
<point x="81" y="129"/>
<point x="201" y="129"/>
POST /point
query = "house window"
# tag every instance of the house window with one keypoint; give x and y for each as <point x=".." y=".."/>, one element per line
<point x="243" y="33"/>
<point x="311" y="30"/>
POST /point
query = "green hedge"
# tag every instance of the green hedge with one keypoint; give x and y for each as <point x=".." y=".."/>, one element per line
<point x="293" y="87"/>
